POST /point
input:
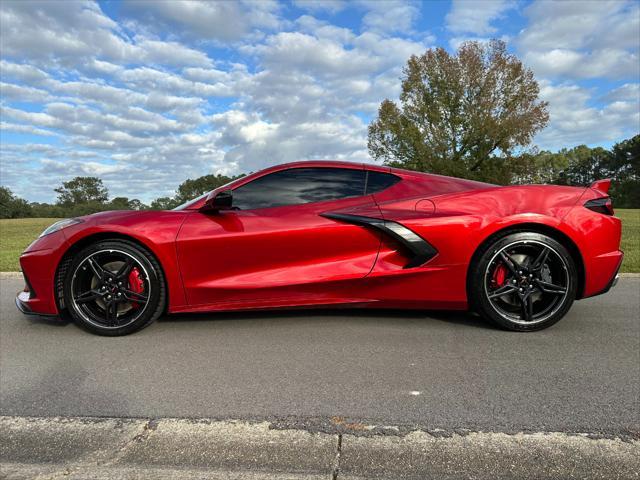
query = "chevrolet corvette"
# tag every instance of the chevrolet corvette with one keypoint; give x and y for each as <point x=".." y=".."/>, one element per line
<point x="312" y="234"/>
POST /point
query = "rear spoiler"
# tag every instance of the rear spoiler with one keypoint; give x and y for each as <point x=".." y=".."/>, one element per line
<point x="601" y="186"/>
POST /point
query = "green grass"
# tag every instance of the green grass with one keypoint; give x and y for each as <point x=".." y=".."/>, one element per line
<point x="630" y="244"/>
<point x="15" y="235"/>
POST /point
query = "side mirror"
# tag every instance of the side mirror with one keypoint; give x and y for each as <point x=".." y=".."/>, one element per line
<point x="221" y="201"/>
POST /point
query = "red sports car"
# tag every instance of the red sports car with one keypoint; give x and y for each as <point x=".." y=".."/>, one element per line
<point x="332" y="233"/>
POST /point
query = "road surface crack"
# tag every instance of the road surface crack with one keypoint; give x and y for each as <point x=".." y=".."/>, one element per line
<point x="147" y="429"/>
<point x="102" y="458"/>
<point x="336" y="460"/>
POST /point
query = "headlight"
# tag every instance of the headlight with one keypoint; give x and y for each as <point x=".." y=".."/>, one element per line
<point x="67" y="222"/>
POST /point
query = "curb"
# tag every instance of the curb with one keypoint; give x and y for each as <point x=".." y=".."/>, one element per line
<point x="81" y="448"/>
<point x="10" y="274"/>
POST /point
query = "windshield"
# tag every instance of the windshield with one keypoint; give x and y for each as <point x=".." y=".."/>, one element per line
<point x="188" y="203"/>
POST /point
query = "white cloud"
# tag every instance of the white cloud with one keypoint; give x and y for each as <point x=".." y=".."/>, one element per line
<point x="577" y="24"/>
<point x="389" y="15"/>
<point x="260" y="144"/>
<point x="25" y="73"/>
<point x="19" y="93"/>
<point x="626" y="92"/>
<point x="476" y="16"/>
<point x="324" y="30"/>
<point x="170" y="53"/>
<point x="608" y="63"/>
<point x="15" y="127"/>
<point x="331" y="6"/>
<point x="582" y="39"/>
<point x="222" y="21"/>
<point x="319" y="56"/>
<point x="309" y="93"/>
<point x="65" y="32"/>
<point x="163" y="81"/>
<point x="574" y="121"/>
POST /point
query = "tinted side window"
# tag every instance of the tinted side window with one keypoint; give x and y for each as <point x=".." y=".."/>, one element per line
<point x="299" y="185"/>
<point x="378" y="181"/>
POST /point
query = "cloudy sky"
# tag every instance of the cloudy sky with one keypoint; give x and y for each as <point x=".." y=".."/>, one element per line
<point x="146" y="94"/>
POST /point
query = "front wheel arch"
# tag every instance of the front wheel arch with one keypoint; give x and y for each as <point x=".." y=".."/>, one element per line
<point x="68" y="255"/>
<point x="554" y="233"/>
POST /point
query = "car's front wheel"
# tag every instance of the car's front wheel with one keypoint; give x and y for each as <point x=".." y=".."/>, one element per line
<point x="523" y="281"/>
<point x="114" y="287"/>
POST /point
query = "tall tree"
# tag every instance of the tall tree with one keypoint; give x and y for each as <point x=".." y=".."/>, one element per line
<point x="585" y="165"/>
<point x="625" y="165"/>
<point x="82" y="190"/>
<point x="12" y="206"/>
<point x="460" y="114"/>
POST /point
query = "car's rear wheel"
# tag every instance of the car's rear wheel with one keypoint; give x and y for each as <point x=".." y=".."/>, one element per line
<point x="114" y="287"/>
<point x="523" y="281"/>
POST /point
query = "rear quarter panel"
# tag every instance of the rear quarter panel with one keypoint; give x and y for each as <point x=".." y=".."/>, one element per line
<point x="456" y="225"/>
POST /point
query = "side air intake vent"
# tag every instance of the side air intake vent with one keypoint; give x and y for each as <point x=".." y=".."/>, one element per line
<point x="421" y="250"/>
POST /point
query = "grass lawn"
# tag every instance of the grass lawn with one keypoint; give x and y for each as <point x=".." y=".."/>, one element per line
<point x="630" y="244"/>
<point x="15" y="235"/>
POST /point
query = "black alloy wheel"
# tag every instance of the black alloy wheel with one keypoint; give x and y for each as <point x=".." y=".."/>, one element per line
<point x="523" y="281"/>
<point x="114" y="288"/>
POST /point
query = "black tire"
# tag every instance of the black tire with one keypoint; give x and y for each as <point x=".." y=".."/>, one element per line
<point x="98" y="290"/>
<point x="534" y="290"/>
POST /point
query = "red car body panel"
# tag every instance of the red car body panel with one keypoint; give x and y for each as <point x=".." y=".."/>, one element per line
<point x="293" y="255"/>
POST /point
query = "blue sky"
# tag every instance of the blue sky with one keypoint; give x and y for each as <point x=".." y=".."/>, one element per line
<point x="147" y="94"/>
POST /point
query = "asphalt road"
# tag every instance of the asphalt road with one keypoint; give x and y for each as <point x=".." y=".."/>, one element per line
<point x="413" y="370"/>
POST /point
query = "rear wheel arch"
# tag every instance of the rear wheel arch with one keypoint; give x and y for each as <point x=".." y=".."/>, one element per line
<point x="82" y="243"/>
<point x="552" y="232"/>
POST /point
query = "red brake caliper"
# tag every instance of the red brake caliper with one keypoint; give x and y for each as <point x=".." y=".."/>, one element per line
<point x="136" y="284"/>
<point x="500" y="275"/>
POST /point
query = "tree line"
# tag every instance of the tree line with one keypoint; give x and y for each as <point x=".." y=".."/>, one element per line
<point x="472" y="114"/>
<point x="580" y="165"/>
<point x="85" y="195"/>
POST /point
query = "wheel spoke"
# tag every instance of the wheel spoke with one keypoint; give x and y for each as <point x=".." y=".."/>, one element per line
<point x="134" y="296"/>
<point x="510" y="262"/>
<point x="539" y="262"/>
<point x="88" y="296"/>
<point x="124" y="270"/>
<point x="527" y="307"/>
<point x="111" y="313"/>
<point x="547" y="287"/>
<point x="499" y="292"/>
<point x="97" y="269"/>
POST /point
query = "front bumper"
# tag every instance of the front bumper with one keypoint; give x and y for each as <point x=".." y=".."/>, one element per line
<point x="22" y="302"/>
<point x="39" y="269"/>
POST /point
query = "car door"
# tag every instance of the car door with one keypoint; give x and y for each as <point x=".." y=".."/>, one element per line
<point x="274" y="246"/>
